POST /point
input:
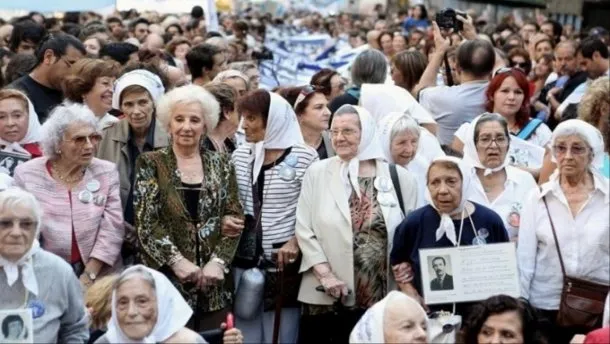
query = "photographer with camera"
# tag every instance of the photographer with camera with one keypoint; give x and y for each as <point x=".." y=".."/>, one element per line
<point x="452" y="105"/>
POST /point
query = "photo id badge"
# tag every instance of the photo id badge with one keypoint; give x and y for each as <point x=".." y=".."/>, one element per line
<point x="17" y="326"/>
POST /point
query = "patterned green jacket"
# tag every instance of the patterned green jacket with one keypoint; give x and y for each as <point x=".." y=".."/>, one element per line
<point x="165" y="229"/>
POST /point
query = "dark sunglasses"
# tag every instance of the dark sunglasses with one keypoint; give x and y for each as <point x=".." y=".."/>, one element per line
<point x="522" y="65"/>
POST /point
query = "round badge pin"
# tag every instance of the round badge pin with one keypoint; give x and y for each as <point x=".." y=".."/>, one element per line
<point x="382" y="184"/>
<point x="99" y="200"/>
<point x="483" y="233"/>
<point x="514" y="219"/>
<point x="287" y="174"/>
<point x="37" y="308"/>
<point x="291" y="160"/>
<point x="385" y="200"/>
<point x="479" y="241"/>
<point x="85" y="196"/>
<point x="93" y="186"/>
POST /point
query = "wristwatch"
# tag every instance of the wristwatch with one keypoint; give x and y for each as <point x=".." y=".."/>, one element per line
<point x="90" y="275"/>
<point x="222" y="264"/>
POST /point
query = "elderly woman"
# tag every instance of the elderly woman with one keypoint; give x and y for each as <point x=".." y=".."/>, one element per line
<point x="502" y="319"/>
<point x="147" y="308"/>
<point x="78" y="193"/>
<point x="250" y="70"/>
<point x="234" y="78"/>
<point x="594" y="108"/>
<point x="329" y="82"/>
<point x="220" y="139"/>
<point x="270" y="169"/>
<point x="33" y="280"/>
<point x="91" y="83"/>
<point x="496" y="184"/>
<point x="346" y="238"/>
<point x="397" y="318"/>
<point x="436" y="224"/>
<point x="552" y="243"/>
<point x="400" y="138"/>
<point x="19" y="126"/>
<point x="135" y="94"/>
<point x="310" y="106"/>
<point x="183" y="197"/>
<point x="369" y="67"/>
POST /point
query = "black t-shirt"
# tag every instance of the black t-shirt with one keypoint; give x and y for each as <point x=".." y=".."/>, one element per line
<point x="43" y="98"/>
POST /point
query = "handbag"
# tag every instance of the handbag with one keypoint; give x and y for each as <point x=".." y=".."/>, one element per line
<point x="582" y="302"/>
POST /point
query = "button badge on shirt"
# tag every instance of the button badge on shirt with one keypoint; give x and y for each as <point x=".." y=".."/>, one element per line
<point x="514" y="217"/>
<point x="37" y="308"/>
<point x="85" y="196"/>
<point x="384" y="187"/>
<point x="287" y="171"/>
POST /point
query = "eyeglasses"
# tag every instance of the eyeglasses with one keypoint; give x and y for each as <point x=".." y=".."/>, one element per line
<point x="81" y="140"/>
<point x="575" y="150"/>
<point x="305" y="92"/>
<point x="522" y="65"/>
<point x="486" y="141"/>
<point x="8" y="223"/>
<point x="343" y="132"/>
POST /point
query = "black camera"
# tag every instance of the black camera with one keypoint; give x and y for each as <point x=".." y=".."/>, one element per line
<point x="447" y="19"/>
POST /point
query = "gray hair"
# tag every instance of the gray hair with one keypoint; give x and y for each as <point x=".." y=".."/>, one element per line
<point x="404" y="124"/>
<point x="15" y="197"/>
<point x="187" y="95"/>
<point x="370" y="67"/>
<point x="232" y="74"/>
<point x="63" y="116"/>
<point x="133" y="272"/>
<point x="491" y="117"/>
<point x="348" y="109"/>
<point x="242" y="66"/>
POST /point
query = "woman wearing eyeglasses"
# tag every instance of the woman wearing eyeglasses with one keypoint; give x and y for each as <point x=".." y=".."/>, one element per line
<point x="573" y="206"/>
<point x="311" y="108"/>
<point x="79" y="194"/>
<point x="496" y="184"/>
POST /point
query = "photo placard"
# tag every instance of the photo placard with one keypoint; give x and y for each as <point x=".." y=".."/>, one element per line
<point x="16" y="326"/>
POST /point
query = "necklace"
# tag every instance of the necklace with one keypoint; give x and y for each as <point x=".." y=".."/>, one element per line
<point x="65" y="177"/>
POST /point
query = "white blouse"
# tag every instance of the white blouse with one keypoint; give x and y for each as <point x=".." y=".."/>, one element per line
<point x="509" y="204"/>
<point x="584" y="241"/>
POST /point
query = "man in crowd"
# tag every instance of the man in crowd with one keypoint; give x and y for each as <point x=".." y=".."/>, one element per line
<point x="139" y="29"/>
<point x="205" y="61"/>
<point x="43" y="84"/>
<point x="26" y="36"/>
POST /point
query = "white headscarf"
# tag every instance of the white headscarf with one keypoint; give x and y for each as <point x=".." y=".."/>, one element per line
<point x="471" y="156"/>
<point x="385" y="126"/>
<point x="590" y="133"/>
<point x="369" y="328"/>
<point x="173" y="313"/>
<point x="382" y="99"/>
<point x="140" y="77"/>
<point x="229" y="74"/>
<point x="33" y="133"/>
<point x="446" y="226"/>
<point x="25" y="263"/>
<point x="282" y="131"/>
<point x="369" y="148"/>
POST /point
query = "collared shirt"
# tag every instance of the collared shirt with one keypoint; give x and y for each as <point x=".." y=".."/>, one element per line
<point x="584" y="242"/>
<point x="134" y="153"/>
<point x="509" y="204"/>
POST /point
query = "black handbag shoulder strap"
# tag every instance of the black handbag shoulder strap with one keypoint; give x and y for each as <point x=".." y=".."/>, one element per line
<point x="396" y="183"/>
<point x="546" y="205"/>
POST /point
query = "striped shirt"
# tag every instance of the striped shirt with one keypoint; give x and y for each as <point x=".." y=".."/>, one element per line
<point x="280" y="197"/>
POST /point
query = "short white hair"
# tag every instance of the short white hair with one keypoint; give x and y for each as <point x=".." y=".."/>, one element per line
<point x="187" y="95"/>
<point x="15" y="197"/>
<point x="404" y="124"/>
<point x="54" y="129"/>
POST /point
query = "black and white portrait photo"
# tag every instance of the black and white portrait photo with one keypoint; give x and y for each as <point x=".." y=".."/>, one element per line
<point x="440" y="273"/>
<point x="9" y="161"/>
<point x="16" y="326"/>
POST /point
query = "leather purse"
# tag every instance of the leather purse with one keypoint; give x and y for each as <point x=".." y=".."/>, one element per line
<point x="582" y="302"/>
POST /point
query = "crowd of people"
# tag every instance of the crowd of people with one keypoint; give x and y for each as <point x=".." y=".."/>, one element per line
<point x="152" y="190"/>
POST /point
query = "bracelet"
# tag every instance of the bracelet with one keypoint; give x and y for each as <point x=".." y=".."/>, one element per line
<point x="175" y="259"/>
<point x="222" y="263"/>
